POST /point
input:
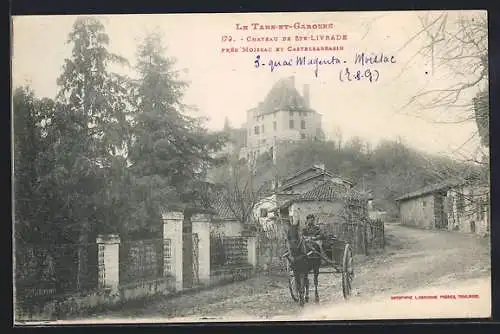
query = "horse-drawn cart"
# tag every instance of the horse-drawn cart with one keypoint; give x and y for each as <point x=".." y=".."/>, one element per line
<point x="338" y="258"/>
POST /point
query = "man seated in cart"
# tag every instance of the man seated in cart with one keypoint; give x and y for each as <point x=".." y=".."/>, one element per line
<point x="313" y="230"/>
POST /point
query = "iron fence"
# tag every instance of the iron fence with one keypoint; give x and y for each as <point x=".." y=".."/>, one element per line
<point x="363" y="235"/>
<point x="45" y="270"/>
<point x="141" y="260"/>
<point x="376" y="233"/>
<point x="228" y="251"/>
<point x="270" y="251"/>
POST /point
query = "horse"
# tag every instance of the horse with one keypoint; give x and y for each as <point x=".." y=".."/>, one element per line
<point x="305" y="258"/>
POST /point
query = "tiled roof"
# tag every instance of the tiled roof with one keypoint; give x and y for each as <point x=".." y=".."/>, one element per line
<point x="328" y="191"/>
<point x="283" y="96"/>
<point x="294" y="179"/>
<point x="219" y="202"/>
<point x="304" y="170"/>
<point x="441" y="186"/>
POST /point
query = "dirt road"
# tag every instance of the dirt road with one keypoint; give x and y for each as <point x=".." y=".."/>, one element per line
<point x="413" y="259"/>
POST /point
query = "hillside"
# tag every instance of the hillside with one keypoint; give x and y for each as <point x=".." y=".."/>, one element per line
<point x="389" y="170"/>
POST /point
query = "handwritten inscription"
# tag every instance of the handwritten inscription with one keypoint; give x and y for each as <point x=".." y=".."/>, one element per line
<point x="315" y="62"/>
<point x="317" y="46"/>
<point x="348" y="75"/>
<point x="373" y="58"/>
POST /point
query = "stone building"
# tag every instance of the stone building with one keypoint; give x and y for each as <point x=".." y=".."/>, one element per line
<point x="294" y="186"/>
<point x="449" y="205"/>
<point x="284" y="116"/>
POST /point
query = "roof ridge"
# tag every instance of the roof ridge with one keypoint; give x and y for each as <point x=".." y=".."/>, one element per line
<point x="300" y="171"/>
<point x="441" y="185"/>
<point x="282" y="94"/>
<point x="328" y="190"/>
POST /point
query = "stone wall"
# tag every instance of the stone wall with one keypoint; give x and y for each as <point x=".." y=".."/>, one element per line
<point x="110" y="291"/>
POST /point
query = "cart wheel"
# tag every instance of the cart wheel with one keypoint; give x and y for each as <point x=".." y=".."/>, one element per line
<point x="347" y="272"/>
<point x="291" y="282"/>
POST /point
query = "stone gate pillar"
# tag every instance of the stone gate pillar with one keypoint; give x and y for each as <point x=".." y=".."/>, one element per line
<point x="252" y="250"/>
<point x="108" y="262"/>
<point x="172" y="240"/>
<point x="201" y="226"/>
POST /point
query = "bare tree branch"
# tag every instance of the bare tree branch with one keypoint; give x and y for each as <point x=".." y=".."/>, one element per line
<point x="457" y="46"/>
<point x="451" y="44"/>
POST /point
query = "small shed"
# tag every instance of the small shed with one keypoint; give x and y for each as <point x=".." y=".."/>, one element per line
<point x="426" y="207"/>
<point x="226" y="221"/>
<point x="339" y="210"/>
<point x="454" y="204"/>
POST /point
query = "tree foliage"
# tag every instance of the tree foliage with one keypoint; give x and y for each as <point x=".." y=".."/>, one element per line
<point x="481" y="113"/>
<point x="26" y="147"/>
<point x="108" y="153"/>
<point x="243" y="183"/>
<point x="388" y="171"/>
<point x="169" y="149"/>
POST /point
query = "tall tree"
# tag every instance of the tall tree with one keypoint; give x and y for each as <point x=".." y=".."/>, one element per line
<point x="26" y="148"/>
<point x="96" y="98"/>
<point x="87" y="131"/>
<point x="86" y="128"/>
<point x="481" y="113"/>
<point x="169" y="148"/>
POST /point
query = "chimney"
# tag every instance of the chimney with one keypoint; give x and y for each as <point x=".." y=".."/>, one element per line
<point x="306" y="95"/>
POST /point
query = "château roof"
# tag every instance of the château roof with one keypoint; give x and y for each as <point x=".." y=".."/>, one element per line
<point x="283" y="96"/>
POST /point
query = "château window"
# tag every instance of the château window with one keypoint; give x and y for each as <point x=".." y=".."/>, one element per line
<point x="303" y="135"/>
<point x="256" y="130"/>
<point x="275" y="126"/>
<point x="291" y="113"/>
<point x="291" y="124"/>
<point x="302" y="124"/>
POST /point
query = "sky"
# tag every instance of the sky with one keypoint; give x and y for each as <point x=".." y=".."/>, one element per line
<point x="227" y="84"/>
